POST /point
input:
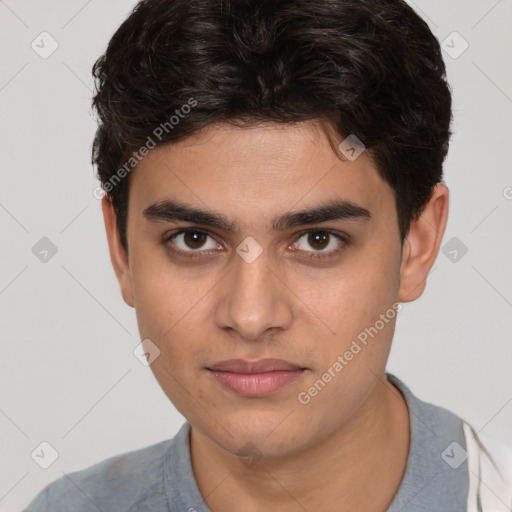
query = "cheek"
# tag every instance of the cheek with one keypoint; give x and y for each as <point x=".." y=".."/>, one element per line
<point x="375" y="280"/>
<point x="167" y="316"/>
<point x="155" y="307"/>
<point x="172" y="311"/>
<point x="354" y="296"/>
<point x="359" y="305"/>
<point x="160" y="298"/>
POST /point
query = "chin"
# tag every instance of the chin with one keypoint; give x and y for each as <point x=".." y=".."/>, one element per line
<point x="266" y="438"/>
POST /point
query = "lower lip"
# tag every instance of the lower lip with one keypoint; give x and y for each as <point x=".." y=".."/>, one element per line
<point x="256" y="384"/>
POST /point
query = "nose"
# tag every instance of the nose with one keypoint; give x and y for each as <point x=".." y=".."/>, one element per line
<point x="254" y="299"/>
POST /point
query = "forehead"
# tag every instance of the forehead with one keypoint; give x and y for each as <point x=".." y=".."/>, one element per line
<point x="256" y="171"/>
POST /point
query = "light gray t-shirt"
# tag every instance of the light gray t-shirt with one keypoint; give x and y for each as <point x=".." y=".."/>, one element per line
<point x="159" y="478"/>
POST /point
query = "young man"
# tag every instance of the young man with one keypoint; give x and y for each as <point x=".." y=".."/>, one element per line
<point x="273" y="179"/>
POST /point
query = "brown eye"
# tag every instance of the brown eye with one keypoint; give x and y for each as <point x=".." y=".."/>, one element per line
<point x="317" y="239"/>
<point x="194" y="239"/>
<point x="191" y="240"/>
<point x="320" y="240"/>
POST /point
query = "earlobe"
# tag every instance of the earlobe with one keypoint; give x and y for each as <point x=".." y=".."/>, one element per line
<point x="118" y="255"/>
<point x="422" y="244"/>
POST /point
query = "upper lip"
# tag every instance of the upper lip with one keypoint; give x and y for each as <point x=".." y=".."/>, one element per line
<point x="259" y="366"/>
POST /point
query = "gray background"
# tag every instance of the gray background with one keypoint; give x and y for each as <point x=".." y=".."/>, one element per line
<point x="67" y="372"/>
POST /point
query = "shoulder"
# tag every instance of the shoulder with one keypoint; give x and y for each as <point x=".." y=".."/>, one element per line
<point x="471" y="471"/>
<point x="490" y="472"/>
<point x="433" y="423"/>
<point x="436" y="476"/>
<point x="117" y="483"/>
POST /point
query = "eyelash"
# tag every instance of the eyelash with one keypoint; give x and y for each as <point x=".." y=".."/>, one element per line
<point x="312" y="256"/>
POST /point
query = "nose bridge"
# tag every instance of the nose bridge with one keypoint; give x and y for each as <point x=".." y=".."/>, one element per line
<point x="254" y="299"/>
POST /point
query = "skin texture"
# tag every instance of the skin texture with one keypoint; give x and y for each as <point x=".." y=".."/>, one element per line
<point x="282" y="305"/>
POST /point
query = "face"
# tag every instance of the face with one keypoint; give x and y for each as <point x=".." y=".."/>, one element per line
<point x="264" y="284"/>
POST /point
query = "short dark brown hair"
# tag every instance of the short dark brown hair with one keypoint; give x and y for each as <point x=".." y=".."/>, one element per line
<point x="371" y="68"/>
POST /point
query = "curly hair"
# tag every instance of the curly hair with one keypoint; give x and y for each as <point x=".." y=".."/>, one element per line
<point x="371" y="68"/>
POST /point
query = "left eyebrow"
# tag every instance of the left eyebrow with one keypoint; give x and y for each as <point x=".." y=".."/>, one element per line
<point x="334" y="210"/>
<point x="171" y="210"/>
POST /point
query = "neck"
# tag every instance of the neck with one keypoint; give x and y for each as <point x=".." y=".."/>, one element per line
<point x="358" y="467"/>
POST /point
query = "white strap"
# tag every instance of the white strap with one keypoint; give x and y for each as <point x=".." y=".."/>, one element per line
<point x="490" y="473"/>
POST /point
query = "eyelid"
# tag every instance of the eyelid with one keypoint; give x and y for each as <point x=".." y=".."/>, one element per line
<point x="342" y="237"/>
<point x="169" y="236"/>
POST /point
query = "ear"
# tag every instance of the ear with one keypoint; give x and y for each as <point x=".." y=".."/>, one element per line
<point x="118" y="255"/>
<point x="421" y="246"/>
